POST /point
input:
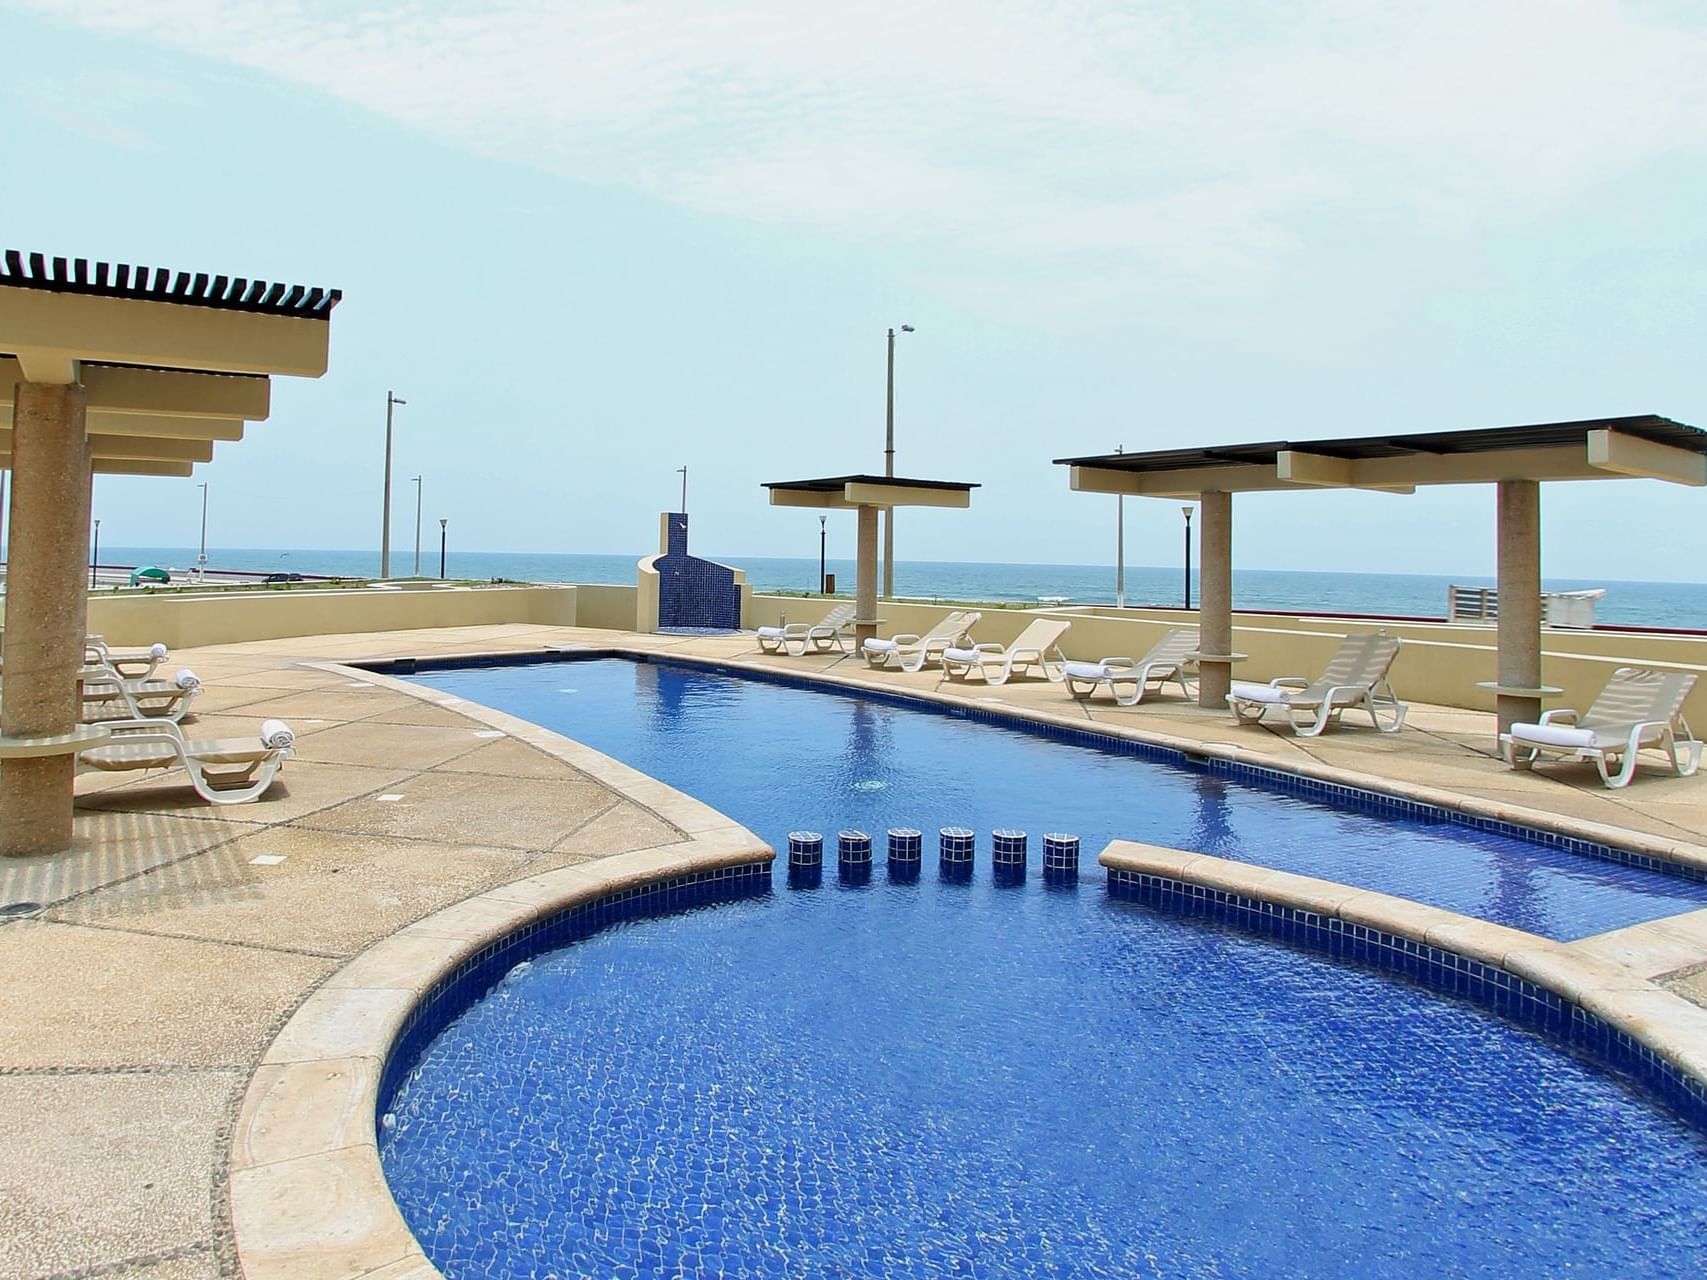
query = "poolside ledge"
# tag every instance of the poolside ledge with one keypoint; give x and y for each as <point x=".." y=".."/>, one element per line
<point x="1668" y="1025"/>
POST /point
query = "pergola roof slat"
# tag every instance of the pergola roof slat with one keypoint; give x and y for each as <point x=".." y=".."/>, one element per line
<point x="158" y="284"/>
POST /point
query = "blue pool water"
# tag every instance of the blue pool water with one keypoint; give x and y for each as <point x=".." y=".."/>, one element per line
<point x="778" y="759"/>
<point x="938" y="1080"/>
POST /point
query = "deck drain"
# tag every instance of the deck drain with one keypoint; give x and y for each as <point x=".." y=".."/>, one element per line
<point x="19" y="910"/>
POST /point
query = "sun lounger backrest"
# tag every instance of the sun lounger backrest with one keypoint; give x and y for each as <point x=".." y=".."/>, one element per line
<point x="840" y="616"/>
<point x="1637" y="694"/>
<point x="1175" y="646"/>
<point x="952" y="627"/>
<point x="1361" y="661"/>
<point x="1041" y="634"/>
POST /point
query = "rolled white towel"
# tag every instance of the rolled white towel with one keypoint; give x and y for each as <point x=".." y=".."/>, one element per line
<point x="187" y="679"/>
<point x="1553" y="735"/>
<point x="1088" y="670"/>
<point x="772" y="633"/>
<point x="875" y="645"/>
<point x="962" y="655"/>
<point x="277" y="735"/>
<point x="1248" y="692"/>
<point x="158" y="651"/>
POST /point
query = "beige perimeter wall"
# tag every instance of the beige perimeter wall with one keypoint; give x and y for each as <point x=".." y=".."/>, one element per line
<point x="1439" y="663"/>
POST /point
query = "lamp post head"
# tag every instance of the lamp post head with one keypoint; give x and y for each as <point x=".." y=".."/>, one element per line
<point x="444" y="522"/>
<point x="1186" y="512"/>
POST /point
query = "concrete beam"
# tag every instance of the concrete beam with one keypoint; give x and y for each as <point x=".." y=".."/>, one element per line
<point x="140" y="447"/>
<point x="1176" y="484"/>
<point x="160" y="392"/>
<point x="888" y="495"/>
<point x="126" y="466"/>
<point x="1318" y="470"/>
<point x="107" y="422"/>
<point x="76" y="326"/>
<point x="807" y="498"/>
<point x="1632" y="456"/>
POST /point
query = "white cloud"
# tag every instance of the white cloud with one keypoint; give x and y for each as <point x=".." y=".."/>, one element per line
<point x="1159" y="136"/>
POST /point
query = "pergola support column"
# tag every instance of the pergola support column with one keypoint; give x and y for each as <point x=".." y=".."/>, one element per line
<point x="47" y="609"/>
<point x="865" y="578"/>
<point x="1520" y="601"/>
<point x="1215" y="600"/>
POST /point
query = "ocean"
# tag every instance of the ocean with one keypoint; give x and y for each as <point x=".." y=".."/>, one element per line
<point x="1652" y="604"/>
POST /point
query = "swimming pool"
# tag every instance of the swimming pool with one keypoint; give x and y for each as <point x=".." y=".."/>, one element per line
<point x="935" y="1079"/>
<point x="778" y="758"/>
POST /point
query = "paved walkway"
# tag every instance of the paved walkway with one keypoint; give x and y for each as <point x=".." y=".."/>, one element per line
<point x="176" y="939"/>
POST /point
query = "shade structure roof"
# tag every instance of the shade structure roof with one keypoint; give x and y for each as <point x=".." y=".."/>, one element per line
<point x="170" y="361"/>
<point x="1590" y="449"/>
<point x="848" y="492"/>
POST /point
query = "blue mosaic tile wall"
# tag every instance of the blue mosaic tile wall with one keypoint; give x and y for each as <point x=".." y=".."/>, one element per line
<point x="1485" y="984"/>
<point x="694" y="593"/>
<point x="476" y="975"/>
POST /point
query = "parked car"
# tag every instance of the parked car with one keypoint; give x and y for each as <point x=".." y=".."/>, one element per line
<point x="282" y="577"/>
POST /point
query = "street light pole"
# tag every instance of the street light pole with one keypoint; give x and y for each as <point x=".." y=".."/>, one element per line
<point x="684" y="474"/>
<point x="823" y="521"/>
<point x="1120" y="544"/>
<point x="95" y="556"/>
<point x="889" y="468"/>
<point x="417" y="483"/>
<point x="444" y="525"/>
<point x="201" y="556"/>
<point x="391" y="400"/>
<point x="1186" y="512"/>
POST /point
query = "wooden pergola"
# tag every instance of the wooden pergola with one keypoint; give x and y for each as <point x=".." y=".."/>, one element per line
<point x="1514" y="459"/>
<point x="109" y="369"/>
<point x="868" y="495"/>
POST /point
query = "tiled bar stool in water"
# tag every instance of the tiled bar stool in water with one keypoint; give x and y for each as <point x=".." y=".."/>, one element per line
<point x="1060" y="858"/>
<point x="1007" y="856"/>
<point x="955" y="845"/>
<point x="906" y="852"/>
<point x="853" y="857"/>
<point x="805" y="859"/>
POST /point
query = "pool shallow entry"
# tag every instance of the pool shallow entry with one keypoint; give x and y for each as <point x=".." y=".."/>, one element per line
<point x="939" y="1079"/>
<point x="778" y="758"/>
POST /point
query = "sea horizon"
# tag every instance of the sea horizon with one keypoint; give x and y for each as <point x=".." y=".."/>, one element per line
<point x="1628" y="602"/>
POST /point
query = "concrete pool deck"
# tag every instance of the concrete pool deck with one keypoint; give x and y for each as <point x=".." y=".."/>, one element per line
<point x="167" y="958"/>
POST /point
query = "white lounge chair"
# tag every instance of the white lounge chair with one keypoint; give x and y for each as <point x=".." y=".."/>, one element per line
<point x="1169" y="659"/>
<point x="222" y="770"/>
<point x="132" y="664"/>
<point x="1356" y="677"/>
<point x="1036" y="646"/>
<point x="1638" y="708"/>
<point x="109" y="696"/>
<point x="913" y="652"/>
<point x="820" y="637"/>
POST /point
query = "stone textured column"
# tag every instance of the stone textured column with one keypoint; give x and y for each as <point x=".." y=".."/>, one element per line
<point x="1520" y="600"/>
<point x="47" y="610"/>
<point x="865" y="577"/>
<point x="1215" y="597"/>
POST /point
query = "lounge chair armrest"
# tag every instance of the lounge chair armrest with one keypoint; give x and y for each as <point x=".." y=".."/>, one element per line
<point x="906" y="639"/>
<point x="1564" y="715"/>
<point x="1289" y="682"/>
<point x="1117" y="664"/>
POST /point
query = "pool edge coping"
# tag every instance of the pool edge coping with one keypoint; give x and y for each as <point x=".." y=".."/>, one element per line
<point x="308" y="1197"/>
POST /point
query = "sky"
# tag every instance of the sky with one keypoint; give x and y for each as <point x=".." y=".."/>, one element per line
<point x="591" y="243"/>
